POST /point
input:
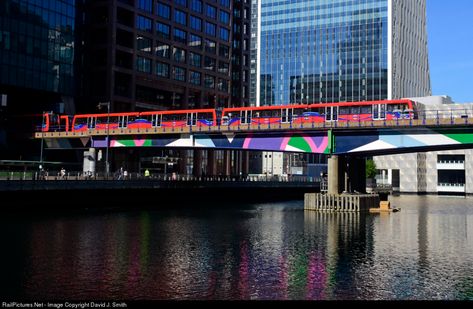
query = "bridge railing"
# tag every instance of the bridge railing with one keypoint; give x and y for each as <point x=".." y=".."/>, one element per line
<point x="50" y="175"/>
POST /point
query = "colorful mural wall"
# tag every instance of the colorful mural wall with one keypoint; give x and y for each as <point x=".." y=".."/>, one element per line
<point x="363" y="141"/>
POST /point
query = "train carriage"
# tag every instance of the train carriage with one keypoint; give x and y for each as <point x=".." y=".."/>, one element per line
<point x="236" y="116"/>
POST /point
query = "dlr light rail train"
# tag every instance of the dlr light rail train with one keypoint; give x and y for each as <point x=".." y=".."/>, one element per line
<point x="235" y="116"/>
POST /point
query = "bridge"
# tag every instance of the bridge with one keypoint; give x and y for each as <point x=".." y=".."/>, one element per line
<point x="344" y="138"/>
<point x="348" y="143"/>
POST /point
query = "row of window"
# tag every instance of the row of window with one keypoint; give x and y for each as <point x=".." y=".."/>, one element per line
<point x="164" y="30"/>
<point x="194" y="5"/>
<point x="179" y="74"/>
<point x="164" y="11"/>
<point x="163" y="50"/>
<point x="145" y="44"/>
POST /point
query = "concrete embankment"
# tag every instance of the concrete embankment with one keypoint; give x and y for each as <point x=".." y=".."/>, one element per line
<point x="145" y="194"/>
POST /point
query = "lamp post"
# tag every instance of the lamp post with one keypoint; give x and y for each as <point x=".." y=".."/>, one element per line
<point x="42" y="143"/>
<point x="107" y="104"/>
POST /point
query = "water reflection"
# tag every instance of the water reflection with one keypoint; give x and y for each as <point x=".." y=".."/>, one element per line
<point x="272" y="251"/>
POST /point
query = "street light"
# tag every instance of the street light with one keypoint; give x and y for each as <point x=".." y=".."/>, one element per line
<point x="42" y="143"/>
<point x="107" y="104"/>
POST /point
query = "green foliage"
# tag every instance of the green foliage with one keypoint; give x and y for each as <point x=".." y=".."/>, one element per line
<point x="370" y="168"/>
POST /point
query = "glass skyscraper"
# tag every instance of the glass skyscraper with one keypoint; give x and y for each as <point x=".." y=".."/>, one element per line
<point x="37" y="45"/>
<point x="310" y="51"/>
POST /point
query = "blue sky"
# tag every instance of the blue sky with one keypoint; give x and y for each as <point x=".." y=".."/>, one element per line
<point x="450" y="35"/>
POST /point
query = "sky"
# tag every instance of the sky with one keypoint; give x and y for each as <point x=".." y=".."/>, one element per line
<point x="450" y="41"/>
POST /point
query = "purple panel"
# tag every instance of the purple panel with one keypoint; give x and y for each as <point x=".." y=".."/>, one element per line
<point x="99" y="143"/>
<point x="266" y="143"/>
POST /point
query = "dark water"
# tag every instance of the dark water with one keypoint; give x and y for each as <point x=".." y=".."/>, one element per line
<point x="261" y="251"/>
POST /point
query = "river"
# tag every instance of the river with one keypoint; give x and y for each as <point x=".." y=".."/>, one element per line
<point x="270" y="251"/>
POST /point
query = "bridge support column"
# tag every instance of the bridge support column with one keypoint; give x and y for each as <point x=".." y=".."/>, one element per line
<point x="227" y="161"/>
<point x="197" y="164"/>
<point x="347" y="174"/>
<point x="334" y="175"/>
<point x="211" y="163"/>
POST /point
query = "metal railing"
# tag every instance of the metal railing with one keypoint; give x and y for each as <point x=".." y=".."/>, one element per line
<point x="78" y="175"/>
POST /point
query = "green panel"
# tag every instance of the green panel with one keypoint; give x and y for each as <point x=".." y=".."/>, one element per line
<point x="299" y="143"/>
<point x="465" y="138"/>
<point x="127" y="142"/>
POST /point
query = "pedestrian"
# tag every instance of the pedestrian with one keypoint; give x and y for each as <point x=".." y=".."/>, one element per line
<point x="146" y="173"/>
<point x="125" y="174"/>
<point x="62" y="174"/>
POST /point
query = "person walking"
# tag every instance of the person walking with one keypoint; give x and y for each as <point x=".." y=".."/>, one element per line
<point x="146" y="173"/>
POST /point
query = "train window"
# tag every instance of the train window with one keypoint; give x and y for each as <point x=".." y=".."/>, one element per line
<point x="365" y="110"/>
<point x="355" y="110"/>
<point x="344" y="110"/>
<point x="392" y="107"/>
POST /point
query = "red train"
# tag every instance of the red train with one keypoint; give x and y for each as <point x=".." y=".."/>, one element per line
<point x="235" y="116"/>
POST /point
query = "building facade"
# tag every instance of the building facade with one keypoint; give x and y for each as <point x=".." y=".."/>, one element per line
<point x="163" y="54"/>
<point x="37" y="63"/>
<point x="339" y="50"/>
<point x="442" y="172"/>
<point x="305" y="52"/>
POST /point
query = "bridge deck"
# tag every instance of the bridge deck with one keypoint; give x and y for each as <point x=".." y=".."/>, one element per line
<point x="446" y="122"/>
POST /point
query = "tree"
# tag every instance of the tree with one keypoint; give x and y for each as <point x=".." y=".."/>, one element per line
<point x="370" y="168"/>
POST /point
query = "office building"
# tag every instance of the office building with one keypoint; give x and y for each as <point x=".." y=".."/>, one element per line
<point x="37" y="59"/>
<point x="339" y="50"/>
<point x="305" y="52"/>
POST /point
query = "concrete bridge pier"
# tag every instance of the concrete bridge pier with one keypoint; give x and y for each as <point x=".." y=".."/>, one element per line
<point x="346" y="187"/>
<point x="346" y="174"/>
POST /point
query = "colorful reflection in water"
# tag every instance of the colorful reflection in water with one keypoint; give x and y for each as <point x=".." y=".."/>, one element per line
<point x="264" y="251"/>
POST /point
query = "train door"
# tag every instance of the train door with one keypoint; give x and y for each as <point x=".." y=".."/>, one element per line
<point x="331" y="113"/>
<point x="286" y="115"/>
<point x="122" y="121"/>
<point x="91" y="122"/>
<point x="191" y="119"/>
<point x="245" y="117"/>
<point x="156" y="120"/>
<point x="379" y="111"/>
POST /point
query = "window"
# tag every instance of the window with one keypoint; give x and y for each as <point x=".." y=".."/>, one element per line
<point x="146" y="5"/>
<point x="210" y="29"/>
<point x="224" y="51"/>
<point x="194" y="78"/>
<point x="180" y="74"/>
<point x="181" y="2"/>
<point x="195" y="40"/>
<point x="209" y="81"/>
<point x="224" y="34"/>
<point x="143" y="64"/>
<point x="180" y="35"/>
<point x="179" y="55"/>
<point x="144" y="24"/>
<point x="144" y="44"/>
<point x="223" y="67"/>
<point x="209" y="63"/>
<point x="180" y="17"/>
<point x="162" y="50"/>
<point x="162" y="69"/>
<point x="195" y="59"/>
<point x="224" y="17"/>
<point x="211" y="11"/>
<point x="210" y="46"/>
<point x="196" y="23"/>
<point x="163" y="10"/>
<point x="162" y="30"/>
<point x="196" y="6"/>
<point x="225" y="3"/>
<point x="222" y="85"/>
